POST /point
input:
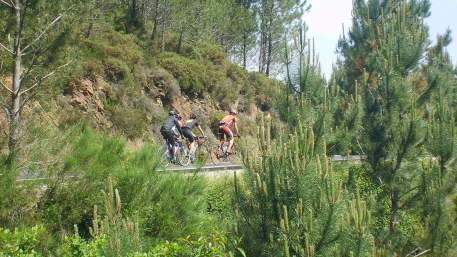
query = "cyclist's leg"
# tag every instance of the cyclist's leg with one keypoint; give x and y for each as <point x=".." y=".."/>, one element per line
<point x="192" y="147"/>
<point x="190" y="138"/>
<point x="167" y="141"/>
<point x="171" y="140"/>
<point x="221" y="135"/>
<point x="228" y="132"/>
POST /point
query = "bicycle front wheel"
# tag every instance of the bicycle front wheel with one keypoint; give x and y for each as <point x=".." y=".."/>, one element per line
<point x="206" y="155"/>
<point x="166" y="157"/>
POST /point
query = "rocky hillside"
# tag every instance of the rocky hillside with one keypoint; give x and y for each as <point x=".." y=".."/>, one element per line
<point x="118" y="84"/>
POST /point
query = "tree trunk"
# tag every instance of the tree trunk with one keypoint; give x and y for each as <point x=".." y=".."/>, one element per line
<point x="394" y="199"/>
<point x="132" y="19"/>
<point x="269" y="53"/>
<point x="15" y="107"/>
<point x="163" y="37"/>
<point x="156" y="19"/>
<point x="143" y="12"/>
<point x="89" y="29"/>
<point x="181" y="34"/>
<point x="262" y="55"/>
<point x="245" y="39"/>
<point x="270" y="39"/>
<point x="262" y="36"/>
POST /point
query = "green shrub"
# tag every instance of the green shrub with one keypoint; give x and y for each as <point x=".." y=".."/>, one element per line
<point x="205" y="50"/>
<point x="159" y="83"/>
<point x="116" y="70"/>
<point x="70" y="117"/>
<point x="131" y="122"/>
<point x="111" y="43"/>
<point x="247" y="125"/>
<point x="190" y="73"/>
<point x="20" y="242"/>
<point x="15" y="200"/>
<point x="176" y="208"/>
<point x="215" y="244"/>
<point x="266" y="90"/>
<point x="93" y="157"/>
<point x="214" y="121"/>
<point x="236" y="73"/>
<point x="219" y="198"/>
<point x="77" y="247"/>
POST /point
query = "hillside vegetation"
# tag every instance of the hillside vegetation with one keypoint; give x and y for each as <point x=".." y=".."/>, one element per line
<point x="86" y="85"/>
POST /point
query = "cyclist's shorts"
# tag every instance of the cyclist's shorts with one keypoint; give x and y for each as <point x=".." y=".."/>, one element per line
<point x="187" y="133"/>
<point x="169" y="136"/>
<point x="225" y="131"/>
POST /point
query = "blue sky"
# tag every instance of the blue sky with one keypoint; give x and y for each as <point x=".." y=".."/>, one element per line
<point x="326" y="17"/>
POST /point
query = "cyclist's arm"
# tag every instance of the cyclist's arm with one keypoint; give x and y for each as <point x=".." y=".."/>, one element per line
<point x="236" y="126"/>
<point x="178" y="126"/>
<point x="201" y="130"/>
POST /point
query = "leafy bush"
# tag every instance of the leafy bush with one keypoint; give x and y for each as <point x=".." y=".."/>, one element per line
<point x="176" y="208"/>
<point x="190" y="73"/>
<point x="213" y="245"/>
<point x="131" y="122"/>
<point x="266" y="90"/>
<point x="159" y="83"/>
<point x="214" y="121"/>
<point x="20" y="242"/>
<point x="93" y="157"/>
<point x="205" y="50"/>
<point x="218" y="198"/>
<point x="111" y="43"/>
<point x="116" y="70"/>
<point x="77" y="247"/>
<point x="15" y="199"/>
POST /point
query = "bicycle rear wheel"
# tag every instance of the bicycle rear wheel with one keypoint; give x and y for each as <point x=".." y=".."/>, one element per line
<point x="182" y="156"/>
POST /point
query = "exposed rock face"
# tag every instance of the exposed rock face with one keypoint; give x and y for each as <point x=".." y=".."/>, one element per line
<point x="89" y="97"/>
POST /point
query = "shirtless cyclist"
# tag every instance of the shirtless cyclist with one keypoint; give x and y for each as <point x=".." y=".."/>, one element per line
<point x="225" y="128"/>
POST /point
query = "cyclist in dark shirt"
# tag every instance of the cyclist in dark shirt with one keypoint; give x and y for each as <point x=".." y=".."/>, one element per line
<point x="187" y="128"/>
<point x="167" y="130"/>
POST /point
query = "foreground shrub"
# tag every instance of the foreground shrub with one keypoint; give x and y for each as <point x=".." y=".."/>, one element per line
<point x="20" y="242"/>
<point x="176" y="202"/>
<point x="215" y="245"/>
<point x="292" y="203"/>
<point x="91" y="158"/>
<point x="77" y="247"/>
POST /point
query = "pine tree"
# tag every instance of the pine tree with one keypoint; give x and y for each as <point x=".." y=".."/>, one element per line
<point x="383" y="63"/>
<point x="292" y="204"/>
<point x="386" y="43"/>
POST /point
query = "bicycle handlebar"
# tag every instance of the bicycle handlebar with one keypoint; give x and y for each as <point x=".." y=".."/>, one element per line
<point x="201" y="137"/>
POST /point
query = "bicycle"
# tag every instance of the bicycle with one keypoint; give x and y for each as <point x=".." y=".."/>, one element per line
<point x="180" y="156"/>
<point x="203" y="151"/>
<point x="221" y="153"/>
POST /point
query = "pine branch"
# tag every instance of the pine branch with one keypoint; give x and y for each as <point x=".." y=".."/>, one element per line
<point x="7" y="88"/>
<point x="42" y="33"/>
<point x="7" y="49"/>
<point x="43" y="78"/>
<point x="10" y="4"/>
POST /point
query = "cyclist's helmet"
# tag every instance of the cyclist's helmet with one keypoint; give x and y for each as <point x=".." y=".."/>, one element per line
<point x="233" y="111"/>
<point x="172" y="113"/>
<point x="192" y="116"/>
